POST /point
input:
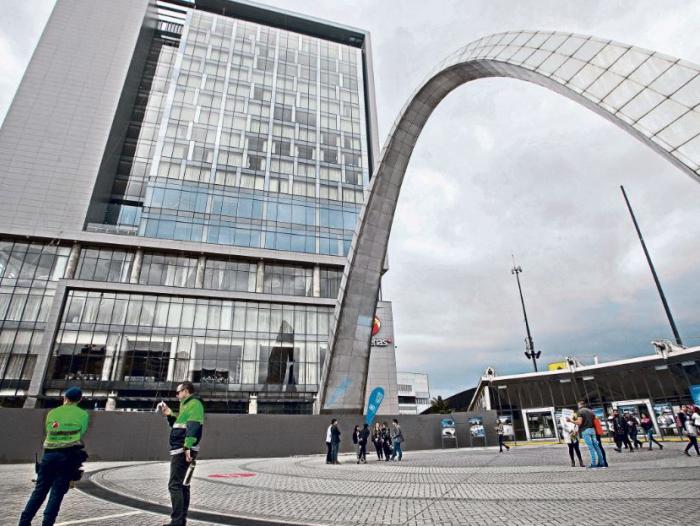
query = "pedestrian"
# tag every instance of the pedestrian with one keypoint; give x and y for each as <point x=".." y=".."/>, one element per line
<point x="329" y="458"/>
<point x="584" y="421"/>
<point x="632" y="430"/>
<point x="648" y="427"/>
<point x="396" y="440"/>
<point x="335" y="441"/>
<point x="569" y="433"/>
<point x="599" y="432"/>
<point x="362" y="440"/>
<point x="185" y="435"/>
<point x="386" y="441"/>
<point x="377" y="440"/>
<point x="356" y="441"/>
<point x="692" y="424"/>
<point x="681" y="417"/>
<point x="500" y="429"/>
<point x="620" y="431"/>
<point x="63" y="455"/>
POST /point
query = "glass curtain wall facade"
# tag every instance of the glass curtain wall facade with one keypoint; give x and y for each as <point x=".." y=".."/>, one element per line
<point x="248" y="135"/>
<point x="214" y="248"/>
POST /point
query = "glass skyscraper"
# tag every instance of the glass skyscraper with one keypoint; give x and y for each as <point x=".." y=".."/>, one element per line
<point x="195" y="185"/>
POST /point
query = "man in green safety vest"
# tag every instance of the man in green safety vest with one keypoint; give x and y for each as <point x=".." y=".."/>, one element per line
<point x="185" y="434"/>
<point x="63" y="454"/>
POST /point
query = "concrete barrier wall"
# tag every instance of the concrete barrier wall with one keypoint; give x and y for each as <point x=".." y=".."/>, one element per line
<point x="144" y="436"/>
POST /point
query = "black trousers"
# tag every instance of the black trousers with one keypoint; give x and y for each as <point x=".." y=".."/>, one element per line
<point x="693" y="443"/>
<point x="622" y="439"/>
<point x="378" y="447"/>
<point x="328" y="453"/>
<point x="387" y="450"/>
<point x="574" y="447"/>
<point x="600" y="443"/>
<point x="502" y="443"/>
<point x="179" y="494"/>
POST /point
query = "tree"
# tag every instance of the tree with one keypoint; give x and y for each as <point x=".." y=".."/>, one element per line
<point x="440" y="406"/>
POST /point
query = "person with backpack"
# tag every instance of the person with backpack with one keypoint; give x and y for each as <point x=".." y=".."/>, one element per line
<point x="599" y="432"/>
<point x="620" y="432"/>
<point x="585" y="422"/>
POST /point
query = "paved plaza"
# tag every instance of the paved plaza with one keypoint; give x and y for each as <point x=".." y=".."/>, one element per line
<point x="529" y="485"/>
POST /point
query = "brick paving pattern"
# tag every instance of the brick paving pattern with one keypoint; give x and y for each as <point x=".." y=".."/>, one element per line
<point x="529" y="485"/>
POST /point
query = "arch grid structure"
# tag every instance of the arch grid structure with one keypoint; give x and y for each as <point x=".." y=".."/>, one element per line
<point x="652" y="96"/>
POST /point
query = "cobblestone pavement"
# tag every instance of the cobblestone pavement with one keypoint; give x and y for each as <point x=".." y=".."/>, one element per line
<point x="529" y="485"/>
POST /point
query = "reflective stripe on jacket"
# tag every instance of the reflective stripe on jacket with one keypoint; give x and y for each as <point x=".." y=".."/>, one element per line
<point x="186" y="426"/>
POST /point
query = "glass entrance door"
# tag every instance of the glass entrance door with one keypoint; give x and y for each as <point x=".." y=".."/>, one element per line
<point x="539" y="423"/>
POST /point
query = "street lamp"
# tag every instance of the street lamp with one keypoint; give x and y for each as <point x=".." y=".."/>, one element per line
<point x="529" y="344"/>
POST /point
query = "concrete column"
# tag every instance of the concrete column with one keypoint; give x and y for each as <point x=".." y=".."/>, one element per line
<point x="136" y="266"/>
<point x="317" y="282"/>
<point x="253" y="405"/>
<point x="260" y="278"/>
<point x="72" y="261"/>
<point x="199" y="277"/>
<point x="111" y="404"/>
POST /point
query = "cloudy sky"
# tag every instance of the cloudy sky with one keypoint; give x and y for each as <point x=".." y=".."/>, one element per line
<point x="503" y="168"/>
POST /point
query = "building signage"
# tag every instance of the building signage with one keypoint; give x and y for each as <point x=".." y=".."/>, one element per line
<point x="381" y="342"/>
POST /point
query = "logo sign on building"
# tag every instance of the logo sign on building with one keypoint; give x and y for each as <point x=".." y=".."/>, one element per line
<point x="375" y="400"/>
<point x="381" y="342"/>
<point x="376" y="326"/>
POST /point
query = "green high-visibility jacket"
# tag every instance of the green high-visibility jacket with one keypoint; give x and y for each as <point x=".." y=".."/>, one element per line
<point x="186" y="426"/>
<point x="65" y="426"/>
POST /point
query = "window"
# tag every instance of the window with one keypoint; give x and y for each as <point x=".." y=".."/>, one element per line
<point x="172" y="271"/>
<point x="330" y="282"/>
<point x="288" y="280"/>
<point x="102" y="264"/>
<point x="230" y="275"/>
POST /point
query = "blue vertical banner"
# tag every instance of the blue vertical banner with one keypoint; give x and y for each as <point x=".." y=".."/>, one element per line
<point x="695" y="394"/>
<point x="375" y="400"/>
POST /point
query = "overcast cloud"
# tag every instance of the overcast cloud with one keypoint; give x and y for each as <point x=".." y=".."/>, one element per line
<point x="504" y="167"/>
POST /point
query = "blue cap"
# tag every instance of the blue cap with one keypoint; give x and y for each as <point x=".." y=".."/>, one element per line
<point x="74" y="394"/>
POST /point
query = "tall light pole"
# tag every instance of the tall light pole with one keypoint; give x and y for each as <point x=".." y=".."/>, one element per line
<point x="653" y="271"/>
<point x="529" y="345"/>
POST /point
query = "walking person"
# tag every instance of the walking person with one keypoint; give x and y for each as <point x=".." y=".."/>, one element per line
<point x="185" y="435"/>
<point x="396" y="440"/>
<point x="620" y="432"/>
<point x="329" y="458"/>
<point x="691" y="429"/>
<point x="64" y="452"/>
<point x="681" y="417"/>
<point x="584" y="421"/>
<point x="377" y="440"/>
<point x="363" y="437"/>
<point x="500" y="429"/>
<point x="569" y="433"/>
<point x="335" y="441"/>
<point x="386" y="441"/>
<point x="648" y="427"/>
<point x="632" y="430"/>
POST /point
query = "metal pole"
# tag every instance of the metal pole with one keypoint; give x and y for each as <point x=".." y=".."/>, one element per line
<point x="530" y="352"/>
<point x="653" y="271"/>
